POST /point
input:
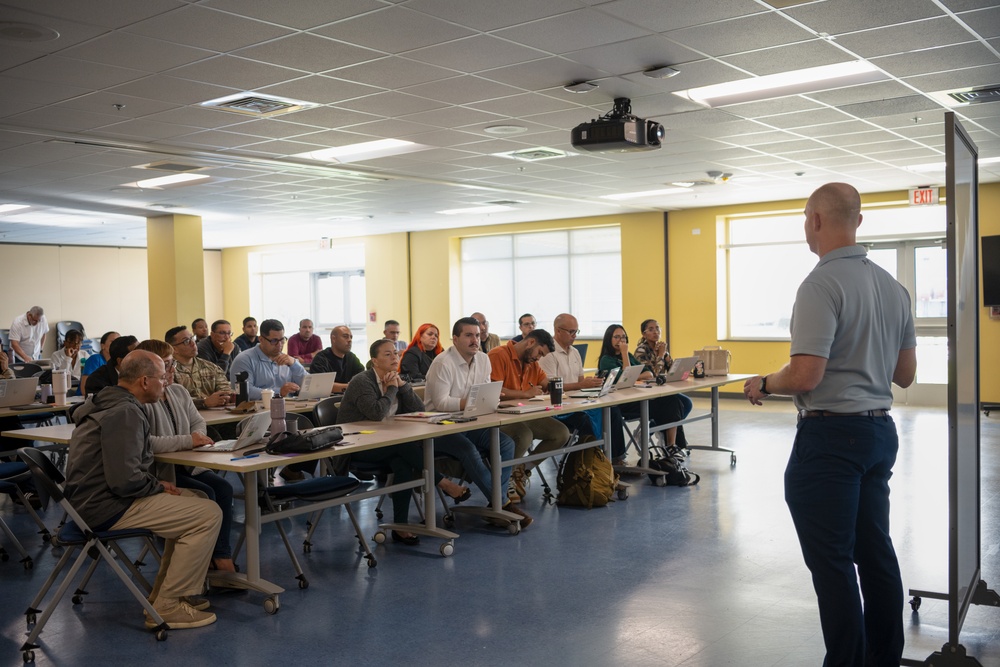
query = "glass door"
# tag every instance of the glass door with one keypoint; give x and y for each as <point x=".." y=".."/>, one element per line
<point x="921" y="267"/>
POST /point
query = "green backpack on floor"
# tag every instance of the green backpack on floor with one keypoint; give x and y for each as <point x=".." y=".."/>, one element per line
<point x="586" y="479"/>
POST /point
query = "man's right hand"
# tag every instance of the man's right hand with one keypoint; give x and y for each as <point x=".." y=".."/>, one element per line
<point x="284" y="360"/>
<point x="288" y="388"/>
<point x="589" y="382"/>
<point x="217" y="400"/>
<point x="200" y="439"/>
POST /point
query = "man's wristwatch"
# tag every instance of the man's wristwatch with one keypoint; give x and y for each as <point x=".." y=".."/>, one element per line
<point x="763" y="385"/>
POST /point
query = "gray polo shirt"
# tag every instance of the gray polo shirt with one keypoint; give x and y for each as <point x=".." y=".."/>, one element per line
<point x="855" y="315"/>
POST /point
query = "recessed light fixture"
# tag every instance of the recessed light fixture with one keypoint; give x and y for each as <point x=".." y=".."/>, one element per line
<point x="26" y="32"/>
<point x="7" y="208"/>
<point x="663" y="72"/>
<point x="646" y="193"/>
<point x="580" y="87"/>
<point x="475" y="210"/>
<point x="173" y="179"/>
<point x="534" y="154"/>
<point x="365" y="150"/>
<point x="809" y="80"/>
<point x="505" y="130"/>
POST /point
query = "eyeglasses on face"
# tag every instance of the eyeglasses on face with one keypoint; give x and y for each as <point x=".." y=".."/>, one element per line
<point x="275" y="341"/>
<point x="184" y="341"/>
<point x="571" y="332"/>
<point x="224" y="334"/>
<point x="620" y="337"/>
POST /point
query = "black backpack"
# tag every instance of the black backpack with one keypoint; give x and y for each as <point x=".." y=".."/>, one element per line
<point x="676" y="473"/>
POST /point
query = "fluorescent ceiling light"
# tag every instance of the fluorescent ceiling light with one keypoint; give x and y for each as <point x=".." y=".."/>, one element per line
<point x="474" y="210"/>
<point x="7" y="208"/>
<point x="932" y="167"/>
<point x="580" y="87"/>
<point x="646" y="193"/>
<point x="173" y="179"/>
<point x="810" y="80"/>
<point x="363" y="151"/>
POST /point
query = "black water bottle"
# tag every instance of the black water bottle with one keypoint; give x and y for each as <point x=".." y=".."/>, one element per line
<point x="243" y="392"/>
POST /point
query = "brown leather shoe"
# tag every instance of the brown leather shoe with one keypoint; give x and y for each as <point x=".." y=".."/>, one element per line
<point x="526" y="519"/>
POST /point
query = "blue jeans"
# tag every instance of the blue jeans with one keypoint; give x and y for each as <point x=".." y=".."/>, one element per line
<point x="837" y="489"/>
<point x="470" y="448"/>
<point x="217" y="488"/>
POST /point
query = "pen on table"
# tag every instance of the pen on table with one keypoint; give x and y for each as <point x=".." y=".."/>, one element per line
<point x="248" y="456"/>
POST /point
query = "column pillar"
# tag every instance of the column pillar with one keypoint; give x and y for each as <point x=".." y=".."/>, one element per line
<point x="176" y="265"/>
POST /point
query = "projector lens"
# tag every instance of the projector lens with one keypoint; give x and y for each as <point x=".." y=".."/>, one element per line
<point x="654" y="132"/>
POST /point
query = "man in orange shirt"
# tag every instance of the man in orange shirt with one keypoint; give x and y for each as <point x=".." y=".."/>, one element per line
<point x="516" y="365"/>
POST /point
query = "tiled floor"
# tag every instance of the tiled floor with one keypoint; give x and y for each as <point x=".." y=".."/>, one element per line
<point x="699" y="577"/>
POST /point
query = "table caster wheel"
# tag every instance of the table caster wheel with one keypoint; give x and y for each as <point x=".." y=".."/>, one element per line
<point x="271" y="604"/>
<point x="303" y="583"/>
<point x="514" y="527"/>
<point x="371" y="561"/>
<point x="378" y="513"/>
<point x="307" y="547"/>
<point x="77" y="599"/>
<point x="379" y="537"/>
<point x="732" y="460"/>
<point x="30" y="618"/>
<point x="622" y="494"/>
<point x="915" y="603"/>
<point x="659" y="480"/>
<point x="447" y="548"/>
<point x="449" y="521"/>
<point x="28" y="563"/>
<point x="161" y="635"/>
<point x="29" y="656"/>
<point x="46" y="537"/>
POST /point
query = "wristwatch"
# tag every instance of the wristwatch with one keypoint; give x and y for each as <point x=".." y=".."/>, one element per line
<point x="763" y="385"/>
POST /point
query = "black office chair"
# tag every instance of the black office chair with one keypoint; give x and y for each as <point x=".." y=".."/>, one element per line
<point x="582" y="349"/>
<point x="11" y="475"/>
<point x="76" y="537"/>
<point x="5" y="341"/>
<point x="64" y="327"/>
<point x="318" y="489"/>
<point x="24" y="369"/>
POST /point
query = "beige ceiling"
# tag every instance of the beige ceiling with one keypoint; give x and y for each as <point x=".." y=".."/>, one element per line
<point x="438" y="73"/>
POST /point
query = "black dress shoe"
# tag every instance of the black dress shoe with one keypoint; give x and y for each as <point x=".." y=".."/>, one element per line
<point x="410" y="541"/>
<point x="462" y="498"/>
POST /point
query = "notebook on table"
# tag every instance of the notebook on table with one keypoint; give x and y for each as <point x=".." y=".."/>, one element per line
<point x="19" y="393"/>
<point x="252" y="434"/>
<point x="522" y="408"/>
<point x="679" y="369"/>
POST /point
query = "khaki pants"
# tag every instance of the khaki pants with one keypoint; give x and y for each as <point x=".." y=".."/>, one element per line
<point x="552" y="433"/>
<point x="190" y="525"/>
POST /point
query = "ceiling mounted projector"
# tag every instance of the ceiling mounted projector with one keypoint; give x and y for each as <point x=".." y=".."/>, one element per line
<point x="617" y="131"/>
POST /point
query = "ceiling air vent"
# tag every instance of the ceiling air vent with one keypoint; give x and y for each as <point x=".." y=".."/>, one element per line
<point x="258" y="104"/>
<point x="976" y="95"/>
<point x="532" y="154"/>
<point x="505" y="202"/>
<point x="169" y="165"/>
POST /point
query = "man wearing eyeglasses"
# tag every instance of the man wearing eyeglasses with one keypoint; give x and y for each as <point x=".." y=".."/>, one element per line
<point x="526" y="323"/>
<point x="206" y="382"/>
<point x="487" y="340"/>
<point x="267" y="365"/>
<point x="110" y="481"/>
<point x="219" y="347"/>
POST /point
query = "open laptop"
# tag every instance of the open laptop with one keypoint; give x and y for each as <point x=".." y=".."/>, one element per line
<point x="316" y="386"/>
<point x="680" y="369"/>
<point x="603" y="390"/>
<point x="252" y="434"/>
<point x="19" y="393"/>
<point x="483" y="399"/>
<point x="626" y="379"/>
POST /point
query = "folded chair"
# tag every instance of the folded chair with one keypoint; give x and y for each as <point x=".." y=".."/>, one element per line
<point x="77" y="538"/>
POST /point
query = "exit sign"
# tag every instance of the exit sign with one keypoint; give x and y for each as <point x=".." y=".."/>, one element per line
<point x="923" y="196"/>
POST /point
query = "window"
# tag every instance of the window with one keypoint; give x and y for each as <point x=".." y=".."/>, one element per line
<point x="544" y="273"/>
<point x="766" y="259"/>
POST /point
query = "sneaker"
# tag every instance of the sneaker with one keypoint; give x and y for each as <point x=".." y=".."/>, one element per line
<point x="178" y="615"/>
<point x="526" y="519"/>
<point x="512" y="494"/>
<point x="196" y="602"/>
<point x="519" y="479"/>
<point x="290" y="475"/>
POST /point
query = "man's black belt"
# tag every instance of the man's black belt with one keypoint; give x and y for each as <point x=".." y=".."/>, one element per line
<point x="809" y="414"/>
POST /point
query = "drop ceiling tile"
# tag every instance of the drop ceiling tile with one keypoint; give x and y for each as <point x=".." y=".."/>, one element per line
<point x="774" y="107"/>
<point x="455" y="117"/>
<point x="197" y="116"/>
<point x="56" y="69"/>
<point x="859" y="138"/>
<point x="805" y="118"/>
<point x="145" y="130"/>
<point x="14" y="54"/>
<point x="654" y="15"/>
<point x="759" y="138"/>
<point x="394" y="30"/>
<point x="523" y="105"/>
<point x="300" y="15"/>
<point x="462" y="90"/>
<point x="103" y="102"/>
<point x="214" y="139"/>
<point x="986" y="22"/>
<point x="392" y="73"/>
<point x="308" y="52"/>
<point x="941" y="59"/>
<point x="392" y="104"/>
<point x="812" y="53"/>
<point x="319" y="89"/>
<point x="727" y="130"/>
<point x="108" y="13"/>
<point x="273" y="128"/>
<point x="235" y="72"/>
<point x="835" y="129"/>
<point x="572" y="31"/>
<point x="850" y="15"/>
<point x="869" y="92"/>
<point x="12" y="107"/>
<point x="207" y="29"/>
<point x="172" y="89"/>
<point x="144" y="53"/>
<point x="747" y="33"/>
<point x="906" y="37"/>
<point x="634" y="55"/>
<point x="985" y="75"/>
<point x="476" y="53"/>
<point x="66" y="120"/>
<point x="891" y="107"/>
<point x="542" y="74"/>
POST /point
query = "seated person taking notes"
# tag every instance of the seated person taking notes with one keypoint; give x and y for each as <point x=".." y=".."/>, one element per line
<point x="376" y="395"/>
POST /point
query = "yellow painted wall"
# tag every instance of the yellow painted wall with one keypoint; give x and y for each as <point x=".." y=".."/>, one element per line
<point x="434" y="270"/>
<point x="989" y="330"/>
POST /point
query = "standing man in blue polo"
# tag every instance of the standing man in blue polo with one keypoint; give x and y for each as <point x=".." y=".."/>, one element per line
<point x="852" y="337"/>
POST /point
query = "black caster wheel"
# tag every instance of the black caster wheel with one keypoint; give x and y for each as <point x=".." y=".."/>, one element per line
<point x="77" y="599"/>
<point x="161" y="635"/>
<point x="271" y="605"/>
<point x="378" y="513"/>
<point x="46" y="537"/>
<point x="732" y="460"/>
<point x="622" y="494"/>
<point x="449" y="521"/>
<point x="28" y="563"/>
<point x="30" y="618"/>
<point x="915" y="603"/>
<point x="307" y="547"/>
<point x="303" y="584"/>
<point x="29" y="656"/>
<point x="371" y="561"/>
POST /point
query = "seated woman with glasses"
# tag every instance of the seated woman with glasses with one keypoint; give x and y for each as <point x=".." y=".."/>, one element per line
<point x="662" y="410"/>
<point x="420" y="353"/>
<point x="175" y="425"/>
<point x="376" y="395"/>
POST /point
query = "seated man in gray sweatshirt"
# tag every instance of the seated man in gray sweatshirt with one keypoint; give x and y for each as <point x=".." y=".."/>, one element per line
<point x="109" y="480"/>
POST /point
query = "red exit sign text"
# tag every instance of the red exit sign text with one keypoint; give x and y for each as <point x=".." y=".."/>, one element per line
<point x="923" y="196"/>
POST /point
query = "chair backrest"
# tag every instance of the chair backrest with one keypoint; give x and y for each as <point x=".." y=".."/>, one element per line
<point x="582" y="349"/>
<point x="4" y="339"/>
<point x="44" y="471"/>
<point x="325" y="412"/>
<point x="25" y="370"/>
<point x="64" y="327"/>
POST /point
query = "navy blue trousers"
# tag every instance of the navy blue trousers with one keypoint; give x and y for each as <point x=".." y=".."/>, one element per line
<point x="837" y="489"/>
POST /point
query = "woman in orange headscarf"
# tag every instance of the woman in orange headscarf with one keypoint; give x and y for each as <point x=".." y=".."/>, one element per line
<point x="419" y="354"/>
